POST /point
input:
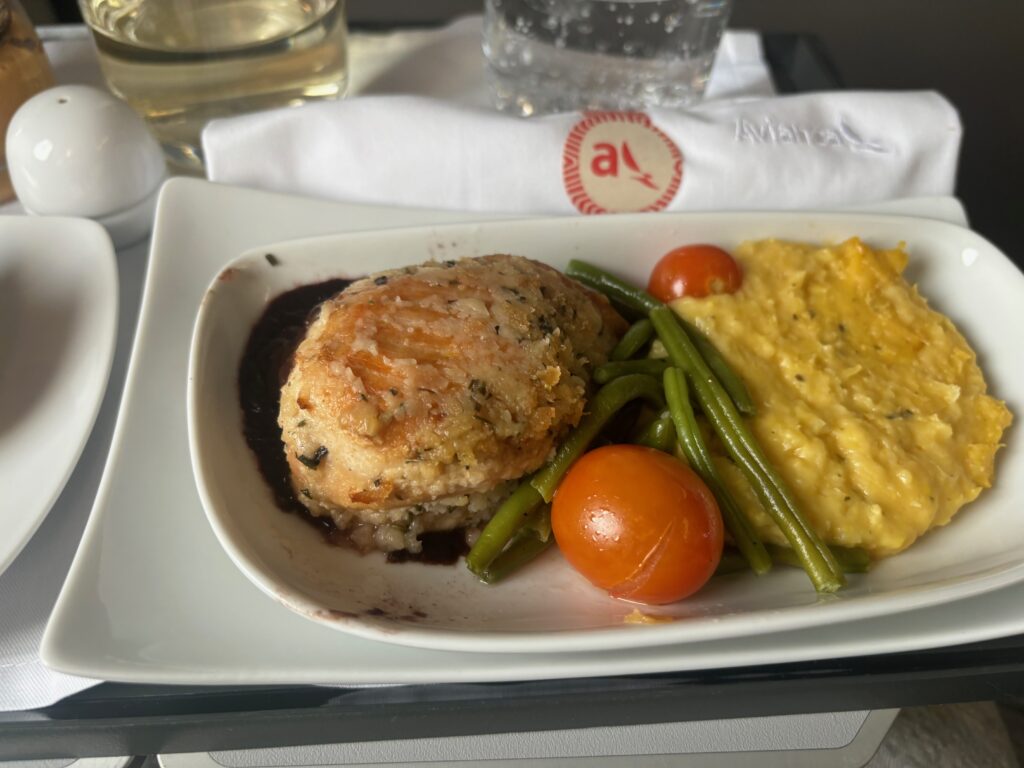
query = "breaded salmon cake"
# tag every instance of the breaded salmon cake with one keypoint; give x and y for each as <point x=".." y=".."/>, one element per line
<point x="418" y="394"/>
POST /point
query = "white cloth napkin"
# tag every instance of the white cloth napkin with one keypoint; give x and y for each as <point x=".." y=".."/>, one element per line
<point x="808" y="151"/>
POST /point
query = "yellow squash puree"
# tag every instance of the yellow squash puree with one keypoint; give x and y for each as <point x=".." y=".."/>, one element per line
<point x="870" y="404"/>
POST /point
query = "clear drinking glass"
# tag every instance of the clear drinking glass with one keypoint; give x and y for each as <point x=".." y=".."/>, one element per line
<point x="557" y="55"/>
<point x="180" y="63"/>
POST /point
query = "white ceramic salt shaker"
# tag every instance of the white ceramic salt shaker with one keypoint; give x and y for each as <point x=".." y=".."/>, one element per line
<point x="74" y="150"/>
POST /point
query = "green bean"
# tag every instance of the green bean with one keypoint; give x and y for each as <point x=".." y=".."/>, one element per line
<point x="699" y="458"/>
<point x="514" y="512"/>
<point x="660" y="434"/>
<point x="605" y="373"/>
<point x="633" y="340"/>
<point x="645" y="419"/>
<point x="615" y="289"/>
<point x="602" y="406"/>
<point x="816" y="558"/>
<point x="731" y="562"/>
<point x="732" y="383"/>
<point x="851" y="559"/>
<point x="540" y="522"/>
<point x="641" y="301"/>
<point x="523" y="548"/>
<point x="680" y="454"/>
<point x="620" y="426"/>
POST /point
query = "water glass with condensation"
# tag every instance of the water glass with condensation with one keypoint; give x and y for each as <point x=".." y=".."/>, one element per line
<point x="559" y="55"/>
<point x="181" y="63"/>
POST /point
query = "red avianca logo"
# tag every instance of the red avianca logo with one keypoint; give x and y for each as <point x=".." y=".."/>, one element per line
<point x="606" y="163"/>
<point x="620" y="161"/>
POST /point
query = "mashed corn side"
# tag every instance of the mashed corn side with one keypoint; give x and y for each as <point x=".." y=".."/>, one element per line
<point x="870" y="404"/>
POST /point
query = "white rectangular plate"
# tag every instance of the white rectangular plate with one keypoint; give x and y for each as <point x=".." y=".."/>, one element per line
<point x="151" y="596"/>
<point x="548" y="607"/>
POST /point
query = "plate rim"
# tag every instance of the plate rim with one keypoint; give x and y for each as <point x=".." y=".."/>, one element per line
<point x="104" y="257"/>
<point x="582" y="640"/>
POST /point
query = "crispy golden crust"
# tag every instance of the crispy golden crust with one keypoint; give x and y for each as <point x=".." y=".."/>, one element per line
<point x="439" y="380"/>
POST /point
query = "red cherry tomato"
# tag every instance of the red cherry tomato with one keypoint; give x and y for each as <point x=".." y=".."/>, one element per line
<point x="694" y="270"/>
<point x="638" y="523"/>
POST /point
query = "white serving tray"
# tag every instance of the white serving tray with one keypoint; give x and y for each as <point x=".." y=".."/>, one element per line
<point x="151" y="597"/>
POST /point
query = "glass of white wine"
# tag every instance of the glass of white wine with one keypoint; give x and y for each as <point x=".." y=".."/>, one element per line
<point x="181" y="63"/>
